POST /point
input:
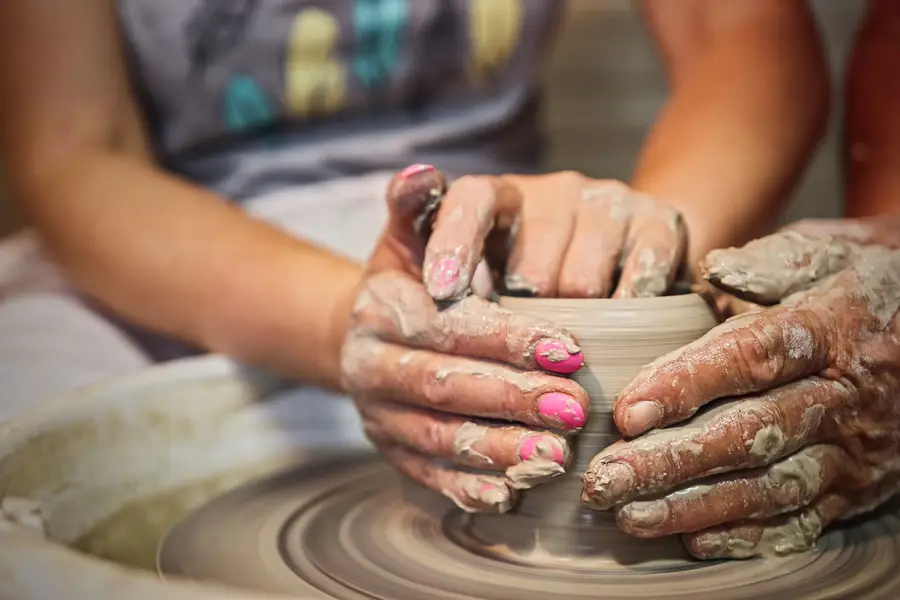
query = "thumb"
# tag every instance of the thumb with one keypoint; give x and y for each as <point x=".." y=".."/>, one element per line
<point x="413" y="196"/>
<point x="773" y="267"/>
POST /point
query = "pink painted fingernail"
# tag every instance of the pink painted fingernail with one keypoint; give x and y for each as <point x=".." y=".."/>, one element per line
<point x="560" y="409"/>
<point x="542" y="446"/>
<point x="415" y="170"/>
<point x="495" y="495"/>
<point x="443" y="275"/>
<point x="554" y="355"/>
<point x="642" y="417"/>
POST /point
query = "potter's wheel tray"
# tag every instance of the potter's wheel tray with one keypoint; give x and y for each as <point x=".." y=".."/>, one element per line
<point x="346" y="527"/>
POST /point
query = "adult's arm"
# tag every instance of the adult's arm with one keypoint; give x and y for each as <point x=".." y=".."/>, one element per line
<point x="151" y="247"/>
<point x="748" y="105"/>
<point x="872" y="121"/>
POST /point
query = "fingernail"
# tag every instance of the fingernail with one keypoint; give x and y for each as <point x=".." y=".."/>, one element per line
<point x="645" y="515"/>
<point x="553" y="355"/>
<point x="542" y="446"/>
<point x="443" y="275"/>
<point x="415" y="170"/>
<point x="495" y="495"/>
<point x="641" y="417"/>
<point x="612" y="482"/>
<point x="561" y="409"/>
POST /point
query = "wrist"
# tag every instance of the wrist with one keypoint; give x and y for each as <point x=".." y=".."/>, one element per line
<point x="339" y="324"/>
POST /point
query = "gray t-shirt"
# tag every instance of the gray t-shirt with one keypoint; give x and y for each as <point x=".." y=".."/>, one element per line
<point x="246" y="96"/>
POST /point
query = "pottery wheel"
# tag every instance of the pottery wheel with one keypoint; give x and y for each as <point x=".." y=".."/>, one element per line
<point x="346" y="527"/>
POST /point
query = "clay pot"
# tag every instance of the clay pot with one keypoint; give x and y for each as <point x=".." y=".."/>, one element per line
<point x="618" y="338"/>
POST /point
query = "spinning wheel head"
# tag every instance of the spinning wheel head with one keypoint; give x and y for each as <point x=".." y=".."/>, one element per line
<point x="345" y="528"/>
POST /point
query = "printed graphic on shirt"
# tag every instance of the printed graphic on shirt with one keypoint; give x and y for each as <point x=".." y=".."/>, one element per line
<point x="495" y="28"/>
<point x="245" y="104"/>
<point x="216" y="28"/>
<point x="315" y="77"/>
<point x="211" y="68"/>
<point x="379" y="27"/>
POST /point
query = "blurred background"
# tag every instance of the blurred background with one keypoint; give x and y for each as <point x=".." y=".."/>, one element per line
<point x="604" y="86"/>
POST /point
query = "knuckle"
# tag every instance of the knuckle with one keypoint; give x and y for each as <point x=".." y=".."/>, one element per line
<point x="760" y="433"/>
<point x="752" y="359"/>
<point x="671" y="217"/>
<point x="432" y="439"/>
<point x="470" y="187"/>
<point x="578" y="287"/>
<point x="568" y="178"/>
<point x="544" y="287"/>
<point x="608" y="193"/>
<point x="374" y="431"/>
<point x="435" y="392"/>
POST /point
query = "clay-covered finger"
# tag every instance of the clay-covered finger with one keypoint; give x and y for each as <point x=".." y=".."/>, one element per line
<point x="469" y="491"/>
<point x="543" y="232"/>
<point x="602" y="216"/>
<point x="656" y="249"/>
<point x="527" y="457"/>
<point x="779" y="536"/>
<point x="786" y="486"/>
<point x="769" y="269"/>
<point x="412" y="198"/>
<point x="743" y="434"/>
<point x="746" y="354"/>
<point x="465" y="218"/>
<point x="463" y="386"/>
<point x="395" y="308"/>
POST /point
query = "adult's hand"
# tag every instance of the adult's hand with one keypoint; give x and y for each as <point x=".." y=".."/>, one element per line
<point x="786" y="418"/>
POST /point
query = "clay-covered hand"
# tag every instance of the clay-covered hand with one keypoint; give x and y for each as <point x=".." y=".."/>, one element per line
<point x="558" y="235"/>
<point x="464" y="397"/>
<point x="883" y="230"/>
<point x="786" y="418"/>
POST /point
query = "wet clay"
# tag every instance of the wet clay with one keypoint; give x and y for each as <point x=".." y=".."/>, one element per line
<point x="22" y="513"/>
<point x="617" y="338"/>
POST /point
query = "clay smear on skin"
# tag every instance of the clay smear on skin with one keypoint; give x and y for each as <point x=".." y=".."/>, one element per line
<point x="464" y="440"/>
<point x="878" y="276"/>
<point x="474" y="317"/>
<point x="418" y="321"/>
<point x="768" y="443"/>
<point x="651" y="278"/>
<point x="799" y="477"/>
<point x="797" y="533"/>
<point x="482" y="493"/>
<point x="526" y="382"/>
<point x="773" y="268"/>
<point x="466" y="256"/>
<point x="541" y="466"/>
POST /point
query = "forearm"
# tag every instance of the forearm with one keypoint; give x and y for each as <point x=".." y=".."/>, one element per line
<point x="744" y="115"/>
<point x="178" y="260"/>
<point x="872" y="118"/>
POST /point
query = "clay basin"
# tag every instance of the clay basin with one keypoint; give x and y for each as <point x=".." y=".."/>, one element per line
<point x="113" y="466"/>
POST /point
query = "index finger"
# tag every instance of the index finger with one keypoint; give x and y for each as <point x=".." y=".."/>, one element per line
<point x="466" y="216"/>
<point x="749" y="353"/>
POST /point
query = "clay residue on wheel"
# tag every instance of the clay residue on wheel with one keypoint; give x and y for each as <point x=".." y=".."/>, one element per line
<point x="23" y="513"/>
